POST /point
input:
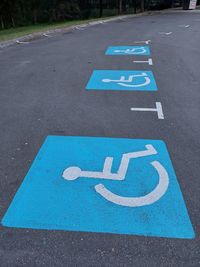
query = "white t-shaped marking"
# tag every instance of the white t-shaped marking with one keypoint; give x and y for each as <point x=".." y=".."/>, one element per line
<point x="143" y="42"/>
<point x="158" y="109"/>
<point x="149" y="61"/>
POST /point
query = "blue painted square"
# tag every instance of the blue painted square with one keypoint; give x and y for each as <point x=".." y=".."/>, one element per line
<point x="46" y="200"/>
<point x="128" y="50"/>
<point x="124" y="80"/>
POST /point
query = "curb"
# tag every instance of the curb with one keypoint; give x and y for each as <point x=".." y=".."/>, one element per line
<point x="37" y="35"/>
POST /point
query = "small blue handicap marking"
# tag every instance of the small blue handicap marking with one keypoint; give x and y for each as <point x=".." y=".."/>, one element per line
<point x="128" y="50"/>
<point x="122" y="80"/>
<point x="111" y="185"/>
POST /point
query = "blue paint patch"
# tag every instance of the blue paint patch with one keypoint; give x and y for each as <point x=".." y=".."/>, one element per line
<point x="46" y="200"/>
<point x="128" y="50"/>
<point x="122" y="80"/>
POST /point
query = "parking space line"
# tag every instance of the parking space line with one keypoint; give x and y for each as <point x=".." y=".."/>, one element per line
<point x="165" y="33"/>
<point x="158" y="109"/>
<point x="47" y="35"/>
<point x="149" y="61"/>
<point x="143" y="42"/>
<point x="184" y="26"/>
<point x="21" y="42"/>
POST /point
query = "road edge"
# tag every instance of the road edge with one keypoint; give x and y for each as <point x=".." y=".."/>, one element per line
<point x="38" y="35"/>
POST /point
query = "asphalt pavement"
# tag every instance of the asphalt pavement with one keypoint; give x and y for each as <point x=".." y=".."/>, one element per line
<point x="42" y="92"/>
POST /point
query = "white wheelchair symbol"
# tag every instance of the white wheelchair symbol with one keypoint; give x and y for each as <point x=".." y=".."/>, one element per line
<point x="75" y="172"/>
<point x="133" y="51"/>
<point x="129" y="82"/>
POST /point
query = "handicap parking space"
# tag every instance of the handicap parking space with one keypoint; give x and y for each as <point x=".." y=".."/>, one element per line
<point x="122" y="80"/>
<point x="110" y="185"/>
<point x="128" y="50"/>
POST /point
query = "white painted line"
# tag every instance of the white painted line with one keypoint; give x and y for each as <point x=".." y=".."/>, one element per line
<point x="149" y="61"/>
<point x="78" y="28"/>
<point x="24" y="63"/>
<point x="94" y="23"/>
<point x="143" y="42"/>
<point x="184" y="26"/>
<point x="127" y="82"/>
<point x="74" y="172"/>
<point x="165" y="33"/>
<point x="102" y="22"/>
<point x="47" y="35"/>
<point x="21" y="42"/>
<point x="148" y="199"/>
<point x="82" y="25"/>
<point x="158" y="109"/>
<point x="133" y="51"/>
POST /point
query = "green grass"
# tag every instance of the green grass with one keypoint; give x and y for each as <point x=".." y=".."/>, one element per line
<point x="17" y="32"/>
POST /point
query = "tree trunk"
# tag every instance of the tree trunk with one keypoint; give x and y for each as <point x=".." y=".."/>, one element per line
<point x="135" y="6"/>
<point x="142" y="5"/>
<point x="2" y="23"/>
<point x="54" y="16"/>
<point x="119" y="6"/>
<point x="148" y="2"/>
<point x="100" y="8"/>
<point x="35" y="16"/>
<point x="13" y="22"/>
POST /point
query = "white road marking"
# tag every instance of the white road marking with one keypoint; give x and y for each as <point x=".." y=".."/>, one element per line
<point x="133" y="51"/>
<point x="143" y="42"/>
<point x="24" y="63"/>
<point x="165" y="33"/>
<point x="148" y="199"/>
<point x="184" y="26"/>
<point x="106" y="20"/>
<point x="127" y="82"/>
<point x="158" y="109"/>
<point x="47" y="35"/>
<point x="21" y="42"/>
<point x="79" y="28"/>
<point x="83" y="26"/>
<point x="75" y="172"/>
<point x="94" y="23"/>
<point x="149" y="61"/>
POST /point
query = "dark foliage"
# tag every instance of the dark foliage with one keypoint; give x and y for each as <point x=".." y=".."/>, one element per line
<point x="26" y="12"/>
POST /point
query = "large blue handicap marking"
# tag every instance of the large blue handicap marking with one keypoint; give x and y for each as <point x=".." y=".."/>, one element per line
<point x="128" y="50"/>
<point x="130" y="80"/>
<point x="111" y="185"/>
